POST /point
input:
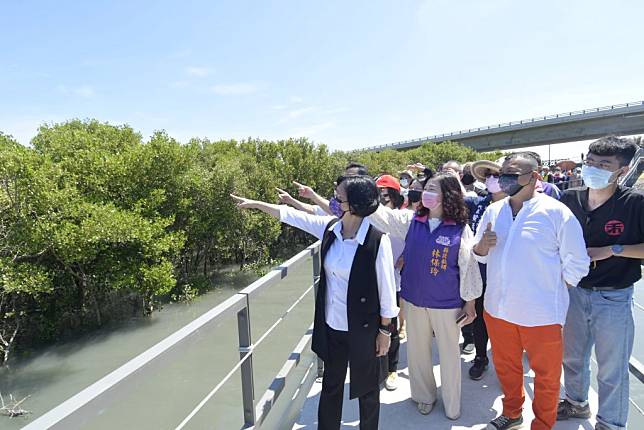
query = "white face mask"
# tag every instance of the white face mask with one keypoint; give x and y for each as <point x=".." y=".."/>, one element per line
<point x="404" y="183"/>
<point x="492" y="184"/>
<point x="595" y="177"/>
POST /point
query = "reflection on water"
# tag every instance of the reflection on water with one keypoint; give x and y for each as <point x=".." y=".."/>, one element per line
<point x="53" y="374"/>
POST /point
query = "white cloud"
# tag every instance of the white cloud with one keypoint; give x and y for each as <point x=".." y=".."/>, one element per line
<point x="198" y="72"/>
<point x="333" y="111"/>
<point x="240" y="88"/>
<point x="84" y="91"/>
<point x="296" y="113"/>
<point x="312" y="130"/>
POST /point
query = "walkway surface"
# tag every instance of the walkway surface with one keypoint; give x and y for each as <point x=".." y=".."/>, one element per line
<point x="481" y="402"/>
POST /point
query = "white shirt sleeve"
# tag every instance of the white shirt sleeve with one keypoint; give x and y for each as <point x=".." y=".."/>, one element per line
<point x="319" y="211"/>
<point x="471" y="285"/>
<point x="312" y="224"/>
<point x="394" y="222"/>
<point x="386" y="279"/>
<point x="575" y="262"/>
<point x="479" y="235"/>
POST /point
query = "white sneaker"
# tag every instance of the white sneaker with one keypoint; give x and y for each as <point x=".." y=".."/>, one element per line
<point x="425" y="408"/>
<point x="392" y="381"/>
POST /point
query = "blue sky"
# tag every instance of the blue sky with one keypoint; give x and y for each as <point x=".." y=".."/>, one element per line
<point x="345" y="73"/>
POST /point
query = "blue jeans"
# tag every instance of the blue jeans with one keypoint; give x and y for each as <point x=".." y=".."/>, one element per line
<point x="605" y="319"/>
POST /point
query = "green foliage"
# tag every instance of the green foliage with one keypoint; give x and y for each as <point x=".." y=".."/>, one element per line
<point x="92" y="215"/>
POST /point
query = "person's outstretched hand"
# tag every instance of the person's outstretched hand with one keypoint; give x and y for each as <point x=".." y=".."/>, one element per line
<point x="242" y="203"/>
<point x="304" y="191"/>
<point x="418" y="167"/>
<point x="284" y="196"/>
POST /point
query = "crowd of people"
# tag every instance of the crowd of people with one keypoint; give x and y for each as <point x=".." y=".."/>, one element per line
<point x="487" y="251"/>
<point x="562" y="179"/>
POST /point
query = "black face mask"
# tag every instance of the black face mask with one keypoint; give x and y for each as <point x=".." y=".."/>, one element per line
<point x="414" y="196"/>
<point x="509" y="184"/>
<point x="468" y="179"/>
<point x="384" y="200"/>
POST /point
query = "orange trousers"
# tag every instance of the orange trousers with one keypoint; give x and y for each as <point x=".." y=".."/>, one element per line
<point x="544" y="346"/>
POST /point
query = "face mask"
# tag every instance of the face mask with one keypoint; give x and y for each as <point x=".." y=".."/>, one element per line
<point x="492" y="184"/>
<point x="430" y="200"/>
<point x="414" y="196"/>
<point x="509" y="184"/>
<point x="468" y="179"/>
<point x="404" y="183"/>
<point x="384" y="200"/>
<point x="595" y="177"/>
<point x="334" y="207"/>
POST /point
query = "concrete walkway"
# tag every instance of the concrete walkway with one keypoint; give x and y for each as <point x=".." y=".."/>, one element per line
<point x="481" y="402"/>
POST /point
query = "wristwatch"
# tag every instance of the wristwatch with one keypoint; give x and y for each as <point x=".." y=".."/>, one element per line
<point x="617" y="249"/>
<point x="384" y="329"/>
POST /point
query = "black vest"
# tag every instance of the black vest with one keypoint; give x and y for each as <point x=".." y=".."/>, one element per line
<point x="363" y="314"/>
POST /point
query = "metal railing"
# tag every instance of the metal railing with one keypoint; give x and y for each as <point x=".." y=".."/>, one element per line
<point x="448" y="136"/>
<point x="93" y="400"/>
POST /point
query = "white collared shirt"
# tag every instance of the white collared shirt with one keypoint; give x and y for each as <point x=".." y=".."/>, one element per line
<point x="338" y="262"/>
<point x="533" y="258"/>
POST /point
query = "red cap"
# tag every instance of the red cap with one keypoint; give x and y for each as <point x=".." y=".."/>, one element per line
<point x="388" y="181"/>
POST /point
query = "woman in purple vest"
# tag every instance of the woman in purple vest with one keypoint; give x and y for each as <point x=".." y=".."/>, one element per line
<point x="440" y="281"/>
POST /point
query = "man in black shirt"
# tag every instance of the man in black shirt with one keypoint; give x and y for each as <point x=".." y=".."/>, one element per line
<point x="600" y="311"/>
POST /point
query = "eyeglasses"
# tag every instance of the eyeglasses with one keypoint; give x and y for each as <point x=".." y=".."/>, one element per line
<point x="494" y="174"/>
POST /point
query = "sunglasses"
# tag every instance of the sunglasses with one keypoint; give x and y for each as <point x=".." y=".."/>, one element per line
<point x="494" y="174"/>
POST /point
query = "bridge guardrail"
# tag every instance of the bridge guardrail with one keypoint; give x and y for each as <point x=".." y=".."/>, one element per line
<point x="507" y="124"/>
<point x="93" y="400"/>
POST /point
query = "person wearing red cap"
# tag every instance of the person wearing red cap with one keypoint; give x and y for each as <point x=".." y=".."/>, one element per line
<point x="390" y="196"/>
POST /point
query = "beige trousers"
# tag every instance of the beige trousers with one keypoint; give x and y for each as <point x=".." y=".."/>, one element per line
<point x="420" y="324"/>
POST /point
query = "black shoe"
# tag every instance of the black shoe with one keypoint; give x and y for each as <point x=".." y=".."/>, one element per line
<point x="505" y="423"/>
<point x="567" y="410"/>
<point x="479" y="367"/>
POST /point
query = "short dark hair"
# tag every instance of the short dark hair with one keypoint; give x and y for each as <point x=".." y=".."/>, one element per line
<point x="526" y="155"/>
<point x="534" y="155"/>
<point x="362" y="169"/>
<point x="362" y="195"/>
<point x="395" y="197"/>
<point x="621" y="147"/>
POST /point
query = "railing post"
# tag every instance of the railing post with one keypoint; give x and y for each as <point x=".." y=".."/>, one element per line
<point x="316" y="282"/>
<point x="248" y="385"/>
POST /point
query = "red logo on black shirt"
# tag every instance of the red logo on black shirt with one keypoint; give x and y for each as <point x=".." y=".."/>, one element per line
<point x="614" y="228"/>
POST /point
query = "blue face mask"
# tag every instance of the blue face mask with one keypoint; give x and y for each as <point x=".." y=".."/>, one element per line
<point x="596" y="178"/>
<point x="334" y="206"/>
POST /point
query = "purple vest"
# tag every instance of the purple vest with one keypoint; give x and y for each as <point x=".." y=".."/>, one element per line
<point x="430" y="276"/>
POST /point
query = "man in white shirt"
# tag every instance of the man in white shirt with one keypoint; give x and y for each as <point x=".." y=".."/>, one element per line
<point x="534" y="248"/>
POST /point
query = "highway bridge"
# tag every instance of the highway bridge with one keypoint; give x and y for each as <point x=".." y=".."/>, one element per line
<point x="621" y="120"/>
